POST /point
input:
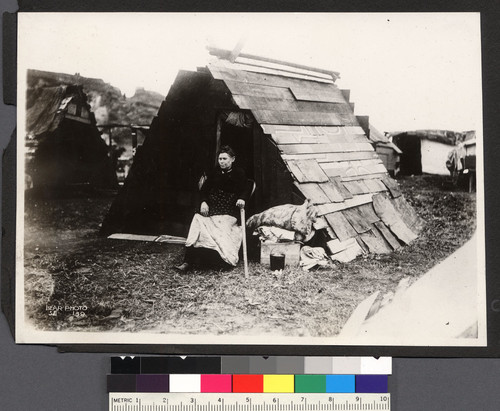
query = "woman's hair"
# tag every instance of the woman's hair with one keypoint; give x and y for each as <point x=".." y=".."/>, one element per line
<point x="228" y="150"/>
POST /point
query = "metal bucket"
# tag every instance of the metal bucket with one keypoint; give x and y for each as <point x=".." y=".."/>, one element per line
<point x="277" y="261"/>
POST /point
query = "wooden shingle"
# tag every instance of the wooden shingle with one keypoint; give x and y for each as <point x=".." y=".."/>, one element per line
<point x="356" y="187"/>
<point x="341" y="226"/>
<point x="313" y="192"/>
<point x="392" y="218"/>
<point x="411" y="218"/>
<point x="307" y="171"/>
<point x="308" y="92"/>
<point x="392" y="186"/>
<point x="357" y="220"/>
<point x="332" y="192"/>
<point x="369" y="213"/>
<point x="389" y="237"/>
<point x="375" y="185"/>
<point x="258" y="90"/>
<point x="376" y="242"/>
<point x="337" y="182"/>
<point x="295" y="118"/>
<point x="353" y="202"/>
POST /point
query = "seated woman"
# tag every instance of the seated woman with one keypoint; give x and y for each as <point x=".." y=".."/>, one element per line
<point x="214" y="231"/>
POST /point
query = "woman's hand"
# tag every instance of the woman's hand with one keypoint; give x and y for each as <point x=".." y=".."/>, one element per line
<point x="240" y="203"/>
<point x="204" y="209"/>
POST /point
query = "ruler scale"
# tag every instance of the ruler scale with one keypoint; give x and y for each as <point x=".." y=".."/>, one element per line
<point x="248" y="402"/>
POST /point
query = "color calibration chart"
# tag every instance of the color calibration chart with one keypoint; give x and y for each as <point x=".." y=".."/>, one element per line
<point x="249" y="383"/>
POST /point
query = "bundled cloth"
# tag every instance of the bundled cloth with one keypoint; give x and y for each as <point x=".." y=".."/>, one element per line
<point x="313" y="256"/>
<point x="299" y="219"/>
<point x="274" y="234"/>
<point x="456" y="158"/>
<point x="219" y="232"/>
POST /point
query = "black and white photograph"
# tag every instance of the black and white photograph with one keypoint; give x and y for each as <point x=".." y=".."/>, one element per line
<point x="250" y="179"/>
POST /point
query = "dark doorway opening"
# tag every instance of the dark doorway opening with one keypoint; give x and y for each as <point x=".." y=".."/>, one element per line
<point x="240" y="139"/>
<point x="411" y="158"/>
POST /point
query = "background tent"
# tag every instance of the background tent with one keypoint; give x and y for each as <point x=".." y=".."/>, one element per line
<point x="425" y="151"/>
<point x="63" y="145"/>
<point x="294" y="132"/>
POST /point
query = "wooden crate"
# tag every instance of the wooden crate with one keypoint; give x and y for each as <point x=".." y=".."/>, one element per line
<point x="291" y="251"/>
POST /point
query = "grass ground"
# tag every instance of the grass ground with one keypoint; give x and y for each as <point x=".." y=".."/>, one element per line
<point x="75" y="280"/>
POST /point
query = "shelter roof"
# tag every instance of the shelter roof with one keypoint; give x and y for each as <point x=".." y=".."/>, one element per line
<point x="442" y="136"/>
<point x="326" y="151"/>
<point x="381" y="139"/>
<point x="46" y="106"/>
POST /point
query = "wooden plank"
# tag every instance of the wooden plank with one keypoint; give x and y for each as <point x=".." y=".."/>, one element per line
<point x="315" y="96"/>
<point x="313" y="192"/>
<point x="408" y="213"/>
<point x="320" y="223"/>
<point x="341" y="226"/>
<point x="375" y="185"/>
<point x="332" y="192"/>
<point x="356" y="187"/>
<point x="315" y="130"/>
<point x="372" y="169"/>
<point x="392" y="219"/>
<point x="259" y="61"/>
<point x="375" y="242"/>
<point x="347" y="130"/>
<point x="296" y="172"/>
<point x="257" y="90"/>
<point x="316" y="156"/>
<point x="296" y="118"/>
<point x="337" y="182"/>
<point x="389" y="237"/>
<point x="331" y="233"/>
<point x="252" y="102"/>
<point x="325" y="148"/>
<point x="295" y="138"/>
<point x="279" y="70"/>
<point x="369" y="213"/>
<point x="329" y="157"/>
<point x="393" y="187"/>
<point x="331" y="170"/>
<point x="351" y="156"/>
<point x="246" y="102"/>
<point x="227" y="73"/>
<point x="357" y="220"/>
<point x="365" y="177"/>
<point x="311" y="170"/>
<point x="353" y="202"/>
<point x="363" y="246"/>
<point x="289" y="138"/>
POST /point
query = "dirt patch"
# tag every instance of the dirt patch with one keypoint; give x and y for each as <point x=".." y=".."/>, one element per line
<point x="76" y="280"/>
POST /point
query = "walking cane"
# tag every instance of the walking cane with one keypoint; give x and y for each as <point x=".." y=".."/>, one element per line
<point x="243" y="233"/>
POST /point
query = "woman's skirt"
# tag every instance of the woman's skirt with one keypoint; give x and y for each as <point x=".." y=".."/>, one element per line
<point x="219" y="232"/>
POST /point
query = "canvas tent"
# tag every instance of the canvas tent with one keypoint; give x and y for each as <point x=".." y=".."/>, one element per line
<point x="425" y="151"/>
<point x="294" y="132"/>
<point x="63" y="145"/>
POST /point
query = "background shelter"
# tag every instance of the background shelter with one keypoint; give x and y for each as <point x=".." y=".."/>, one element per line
<point x="294" y="132"/>
<point x="425" y="151"/>
<point x="389" y="153"/>
<point x="63" y="145"/>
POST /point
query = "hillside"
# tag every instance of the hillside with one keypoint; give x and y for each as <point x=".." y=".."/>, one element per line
<point x="107" y="102"/>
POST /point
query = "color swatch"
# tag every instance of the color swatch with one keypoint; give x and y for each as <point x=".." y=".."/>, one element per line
<point x="240" y="374"/>
<point x="247" y="383"/>
<point x="251" y="365"/>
